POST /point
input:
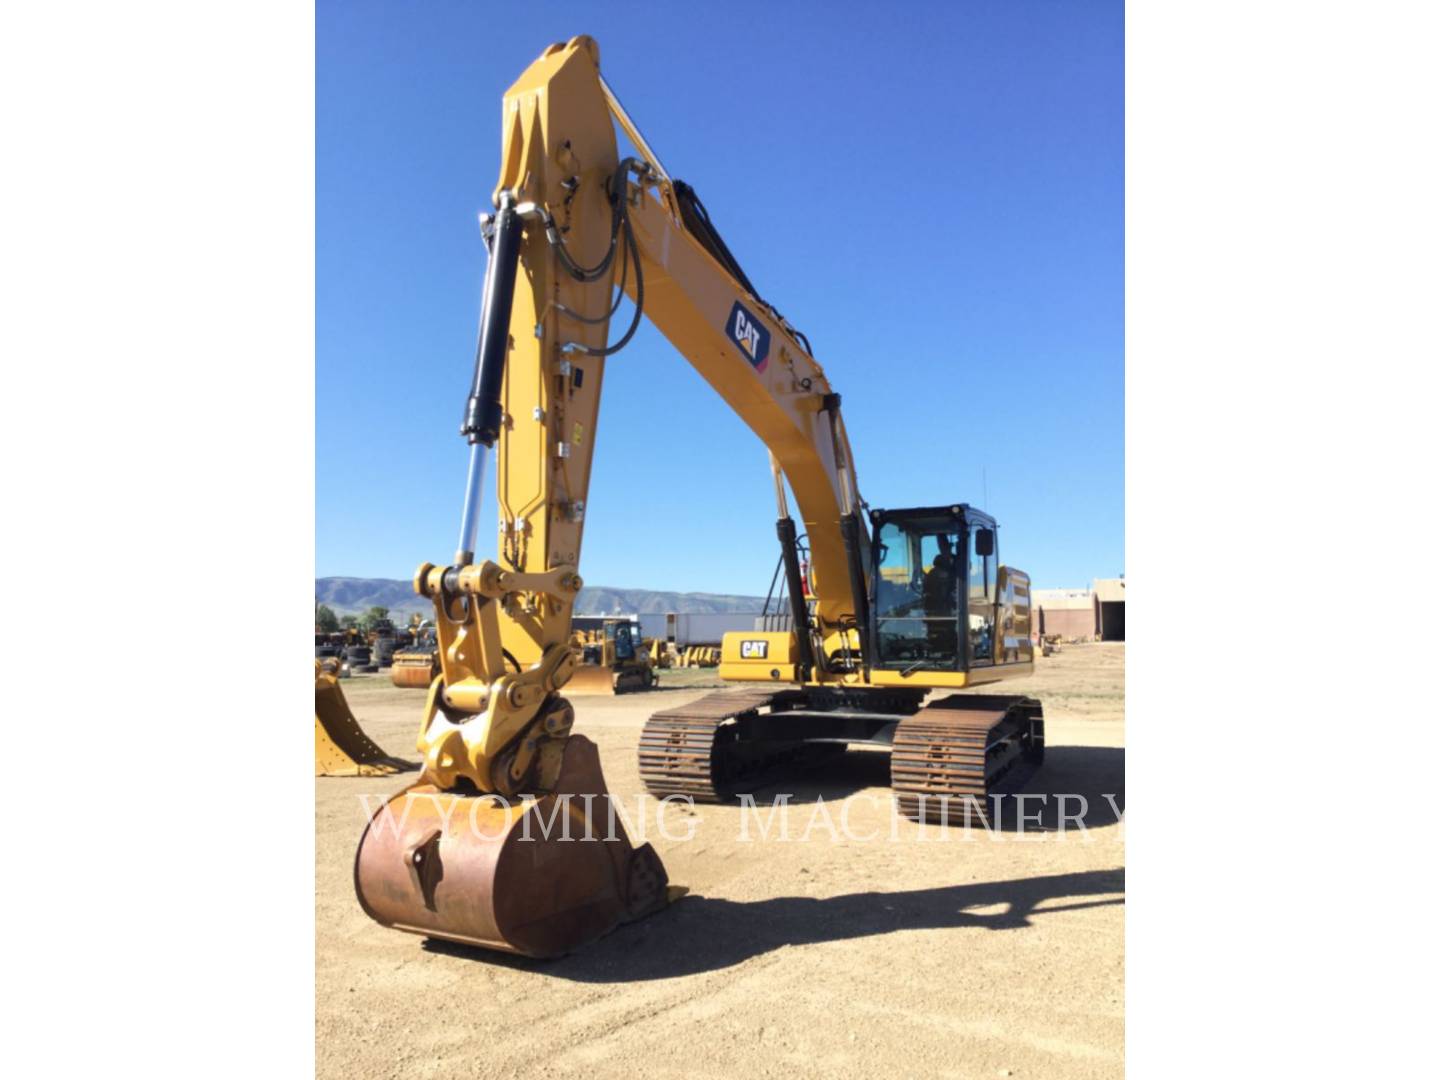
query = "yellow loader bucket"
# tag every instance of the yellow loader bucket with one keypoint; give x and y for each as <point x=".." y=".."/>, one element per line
<point x="341" y="747"/>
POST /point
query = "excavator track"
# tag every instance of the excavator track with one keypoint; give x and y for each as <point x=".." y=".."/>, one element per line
<point x="685" y="751"/>
<point x="949" y="758"/>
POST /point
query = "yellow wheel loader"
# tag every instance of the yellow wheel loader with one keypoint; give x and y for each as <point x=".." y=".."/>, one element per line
<point x="902" y="603"/>
<point x="613" y="661"/>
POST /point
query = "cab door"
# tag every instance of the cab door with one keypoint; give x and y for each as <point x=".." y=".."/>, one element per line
<point x="980" y="593"/>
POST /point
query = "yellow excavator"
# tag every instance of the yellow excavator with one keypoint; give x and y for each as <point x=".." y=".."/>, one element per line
<point x="893" y="605"/>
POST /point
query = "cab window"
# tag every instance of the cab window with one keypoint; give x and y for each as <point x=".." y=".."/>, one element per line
<point x="620" y="634"/>
<point x="917" y="595"/>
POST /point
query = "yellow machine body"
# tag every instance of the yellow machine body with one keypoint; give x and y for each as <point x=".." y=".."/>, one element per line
<point x="770" y="657"/>
<point x="758" y="657"/>
<point x="572" y="223"/>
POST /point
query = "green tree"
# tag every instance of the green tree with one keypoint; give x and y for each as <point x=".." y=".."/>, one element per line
<point x="325" y="620"/>
<point x="373" y="618"/>
<point x="348" y="622"/>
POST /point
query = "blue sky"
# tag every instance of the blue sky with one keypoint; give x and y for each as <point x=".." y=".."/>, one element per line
<point x="935" y="196"/>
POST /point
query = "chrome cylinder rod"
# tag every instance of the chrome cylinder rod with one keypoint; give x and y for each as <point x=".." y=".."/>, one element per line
<point x="474" y="493"/>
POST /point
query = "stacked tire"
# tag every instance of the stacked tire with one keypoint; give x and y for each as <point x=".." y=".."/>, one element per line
<point x="385" y="651"/>
<point x="359" y="658"/>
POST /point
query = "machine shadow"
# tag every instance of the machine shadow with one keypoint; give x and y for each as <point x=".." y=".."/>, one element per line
<point x="855" y="770"/>
<point x="1084" y="784"/>
<point x="700" y="934"/>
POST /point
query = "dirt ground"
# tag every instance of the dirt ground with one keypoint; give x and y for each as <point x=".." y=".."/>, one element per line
<point x="919" y="952"/>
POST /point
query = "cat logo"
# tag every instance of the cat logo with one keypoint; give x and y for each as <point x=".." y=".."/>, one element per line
<point x="754" y="650"/>
<point x="746" y="331"/>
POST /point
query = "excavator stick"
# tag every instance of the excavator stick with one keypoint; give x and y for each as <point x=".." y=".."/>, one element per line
<point x="537" y="877"/>
<point x="341" y="746"/>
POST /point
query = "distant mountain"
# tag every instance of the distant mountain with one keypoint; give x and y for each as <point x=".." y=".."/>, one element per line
<point x="348" y="595"/>
<point x="352" y="596"/>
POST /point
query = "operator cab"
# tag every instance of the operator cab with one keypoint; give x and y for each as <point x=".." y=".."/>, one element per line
<point x="932" y="589"/>
<point x="625" y="639"/>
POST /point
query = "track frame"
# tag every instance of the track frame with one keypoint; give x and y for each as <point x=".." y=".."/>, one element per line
<point x="958" y="751"/>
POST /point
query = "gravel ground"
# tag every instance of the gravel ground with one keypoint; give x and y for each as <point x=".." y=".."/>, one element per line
<point x="922" y="952"/>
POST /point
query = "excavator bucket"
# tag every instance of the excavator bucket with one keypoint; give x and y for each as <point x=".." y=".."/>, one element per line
<point x="537" y="877"/>
<point x="341" y="747"/>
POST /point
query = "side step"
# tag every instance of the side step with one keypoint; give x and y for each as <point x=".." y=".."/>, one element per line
<point x="951" y="756"/>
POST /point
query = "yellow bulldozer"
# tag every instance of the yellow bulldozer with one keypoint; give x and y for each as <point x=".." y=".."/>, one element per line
<point x="613" y="660"/>
<point x="898" y="603"/>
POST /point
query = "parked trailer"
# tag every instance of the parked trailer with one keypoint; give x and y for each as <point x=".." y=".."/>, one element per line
<point x="699" y="628"/>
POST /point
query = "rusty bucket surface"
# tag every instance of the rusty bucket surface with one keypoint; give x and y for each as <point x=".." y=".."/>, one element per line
<point x="341" y="746"/>
<point x="479" y="870"/>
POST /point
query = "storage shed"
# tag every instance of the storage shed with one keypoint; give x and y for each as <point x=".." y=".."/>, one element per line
<point x="1109" y="596"/>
